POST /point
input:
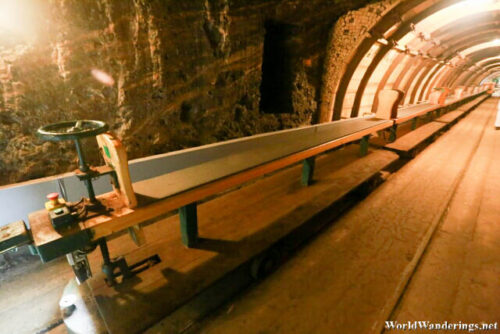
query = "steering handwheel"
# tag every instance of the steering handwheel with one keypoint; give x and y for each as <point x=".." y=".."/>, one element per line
<point x="72" y="130"/>
<point x="76" y="130"/>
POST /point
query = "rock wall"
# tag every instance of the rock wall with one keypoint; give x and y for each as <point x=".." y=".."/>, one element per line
<point x="184" y="73"/>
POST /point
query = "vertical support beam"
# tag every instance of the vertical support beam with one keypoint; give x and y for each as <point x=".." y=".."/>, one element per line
<point x="189" y="224"/>
<point x="363" y="145"/>
<point x="414" y="123"/>
<point x="308" y="171"/>
<point x="430" y="116"/>
<point x="393" y="133"/>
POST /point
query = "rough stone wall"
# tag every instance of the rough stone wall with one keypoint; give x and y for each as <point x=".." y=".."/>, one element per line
<point x="344" y="38"/>
<point x="186" y="73"/>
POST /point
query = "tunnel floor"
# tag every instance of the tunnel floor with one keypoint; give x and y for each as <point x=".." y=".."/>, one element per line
<point x="422" y="247"/>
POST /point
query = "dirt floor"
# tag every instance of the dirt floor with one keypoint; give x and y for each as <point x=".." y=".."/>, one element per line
<point x="423" y="247"/>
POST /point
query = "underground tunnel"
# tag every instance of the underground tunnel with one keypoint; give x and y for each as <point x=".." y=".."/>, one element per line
<point x="265" y="166"/>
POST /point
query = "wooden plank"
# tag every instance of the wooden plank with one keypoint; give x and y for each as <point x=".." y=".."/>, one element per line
<point x="450" y="117"/>
<point x="115" y="156"/>
<point x="411" y="113"/>
<point x="470" y="105"/>
<point x="497" y="121"/>
<point x="260" y="153"/>
<point x="413" y="139"/>
<point x="52" y="244"/>
<point x="233" y="228"/>
<point x="13" y="235"/>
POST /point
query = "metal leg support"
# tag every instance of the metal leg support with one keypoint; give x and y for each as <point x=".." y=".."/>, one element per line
<point x="109" y="267"/>
<point x="393" y="135"/>
<point x="189" y="224"/>
<point x="308" y="171"/>
<point x="414" y="123"/>
<point x="84" y="168"/>
<point x="364" y="144"/>
<point x="80" y="264"/>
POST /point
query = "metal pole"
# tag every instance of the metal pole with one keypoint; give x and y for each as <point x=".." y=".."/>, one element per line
<point x="82" y="165"/>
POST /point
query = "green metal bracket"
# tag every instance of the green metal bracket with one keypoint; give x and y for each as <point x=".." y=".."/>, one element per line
<point x="363" y="145"/>
<point x="308" y="171"/>
<point x="414" y="123"/>
<point x="33" y="250"/>
<point x="189" y="224"/>
<point x="393" y="133"/>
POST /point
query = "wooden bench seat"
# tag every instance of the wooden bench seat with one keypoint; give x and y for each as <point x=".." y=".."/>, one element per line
<point x="451" y="116"/>
<point x="407" y="114"/>
<point x="472" y="104"/>
<point x="408" y="145"/>
<point x="468" y="106"/>
<point x="259" y="151"/>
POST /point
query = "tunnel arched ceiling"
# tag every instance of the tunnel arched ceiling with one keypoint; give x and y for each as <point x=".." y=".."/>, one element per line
<point x="453" y="42"/>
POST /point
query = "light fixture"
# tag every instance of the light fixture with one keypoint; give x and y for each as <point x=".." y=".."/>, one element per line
<point x="18" y="19"/>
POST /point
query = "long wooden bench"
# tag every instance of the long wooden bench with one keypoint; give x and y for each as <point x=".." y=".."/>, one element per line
<point x="241" y="160"/>
<point x="451" y="117"/>
<point x="429" y="110"/>
<point x="462" y="110"/>
<point x="469" y="106"/>
<point x="408" y="145"/>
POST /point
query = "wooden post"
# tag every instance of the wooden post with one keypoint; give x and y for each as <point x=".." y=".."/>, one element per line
<point x="414" y="123"/>
<point x="393" y="135"/>
<point x="363" y="145"/>
<point x="308" y="171"/>
<point x="430" y="116"/>
<point x="189" y="224"/>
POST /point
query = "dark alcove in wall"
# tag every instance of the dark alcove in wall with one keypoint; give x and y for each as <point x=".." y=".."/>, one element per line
<point x="277" y="76"/>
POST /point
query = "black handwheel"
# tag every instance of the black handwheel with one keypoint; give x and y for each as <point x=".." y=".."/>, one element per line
<point x="72" y="130"/>
<point x="75" y="130"/>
